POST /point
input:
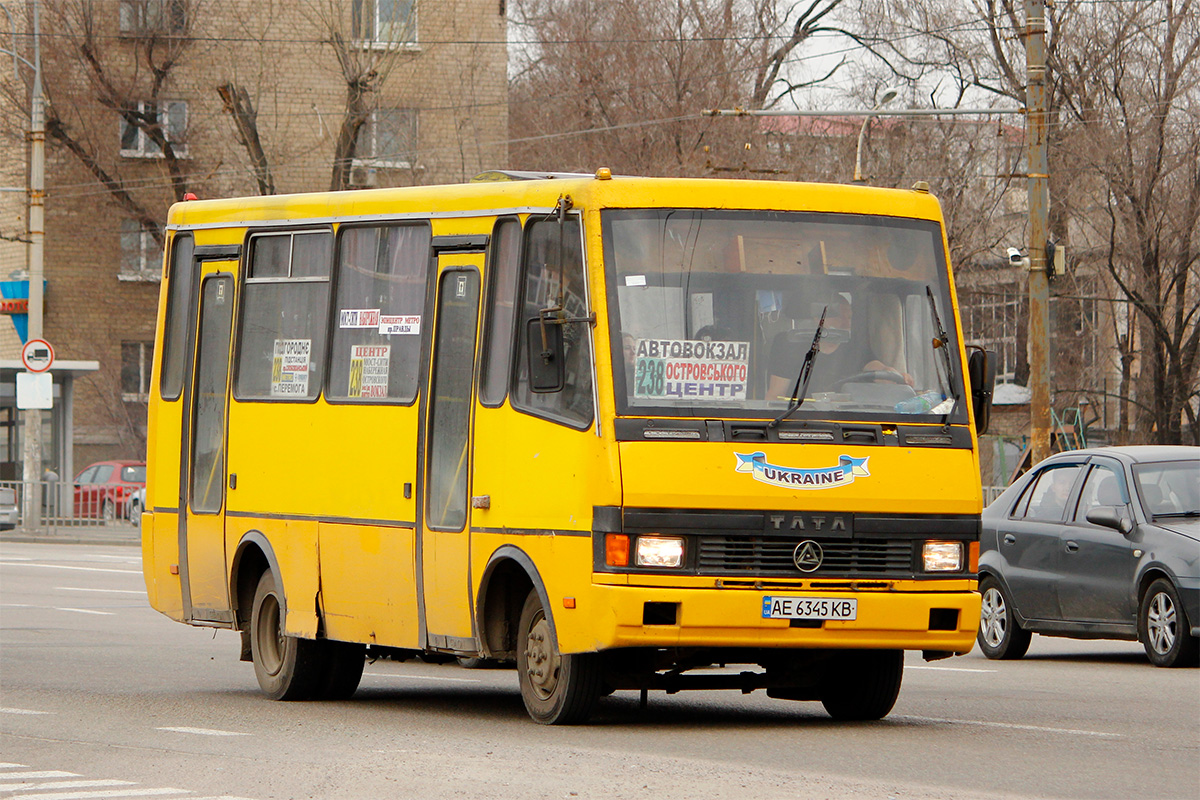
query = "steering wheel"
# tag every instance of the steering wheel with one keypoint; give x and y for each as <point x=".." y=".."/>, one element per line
<point x="872" y="377"/>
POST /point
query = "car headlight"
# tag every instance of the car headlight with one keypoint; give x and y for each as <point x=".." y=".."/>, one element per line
<point x="659" y="551"/>
<point x="942" y="556"/>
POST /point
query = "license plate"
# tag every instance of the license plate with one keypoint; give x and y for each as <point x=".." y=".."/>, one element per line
<point x="828" y="608"/>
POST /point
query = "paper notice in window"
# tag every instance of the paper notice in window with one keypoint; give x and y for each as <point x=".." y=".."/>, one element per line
<point x="680" y="368"/>
<point x="289" y="367"/>
<point x="369" y="370"/>
<point x="409" y="325"/>
<point x="358" y="318"/>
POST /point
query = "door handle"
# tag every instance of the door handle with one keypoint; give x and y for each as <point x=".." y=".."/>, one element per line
<point x="1010" y="539"/>
<point x="1072" y="547"/>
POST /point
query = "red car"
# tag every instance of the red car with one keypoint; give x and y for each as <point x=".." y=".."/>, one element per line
<point x="103" y="489"/>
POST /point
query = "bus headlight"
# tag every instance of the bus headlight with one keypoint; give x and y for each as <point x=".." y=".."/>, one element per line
<point x="942" y="556"/>
<point x="659" y="551"/>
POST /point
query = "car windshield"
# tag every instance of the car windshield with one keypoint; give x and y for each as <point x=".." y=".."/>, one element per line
<point x="134" y="474"/>
<point x="1169" y="487"/>
<point x="715" y="311"/>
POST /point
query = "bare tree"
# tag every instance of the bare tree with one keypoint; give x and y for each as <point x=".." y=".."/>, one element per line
<point x="1123" y="94"/>
<point x="131" y="82"/>
<point x="622" y="83"/>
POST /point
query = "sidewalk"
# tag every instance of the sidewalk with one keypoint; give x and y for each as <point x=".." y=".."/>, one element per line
<point x="117" y="533"/>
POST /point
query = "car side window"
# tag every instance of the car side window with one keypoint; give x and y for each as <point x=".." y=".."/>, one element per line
<point x="103" y="474"/>
<point x="1102" y="487"/>
<point x="1047" y="498"/>
<point x="86" y="476"/>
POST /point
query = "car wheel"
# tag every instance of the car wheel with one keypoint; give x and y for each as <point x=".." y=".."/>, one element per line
<point x="109" y="511"/>
<point x="287" y="668"/>
<point x="135" y="513"/>
<point x="557" y="689"/>
<point x="1000" y="636"/>
<point x="1163" y="628"/>
<point x="862" y="685"/>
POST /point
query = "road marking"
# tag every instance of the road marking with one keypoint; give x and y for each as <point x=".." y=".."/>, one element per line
<point x="102" y="793"/>
<point x="80" y="784"/>
<point x="421" y="677"/>
<point x="45" y="773"/>
<point x="18" y="711"/>
<point x="85" y="611"/>
<point x="106" y="591"/>
<point x="954" y="669"/>
<point x="7" y="562"/>
<point x="1011" y="726"/>
<point x="203" y="731"/>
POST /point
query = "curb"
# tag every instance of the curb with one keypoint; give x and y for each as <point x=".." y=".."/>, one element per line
<point x="126" y="538"/>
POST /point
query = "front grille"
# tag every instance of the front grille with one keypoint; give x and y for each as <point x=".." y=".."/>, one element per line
<point x="758" y="555"/>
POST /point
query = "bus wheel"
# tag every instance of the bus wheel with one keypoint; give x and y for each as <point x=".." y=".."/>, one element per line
<point x="341" y="669"/>
<point x="287" y="668"/>
<point x="862" y="684"/>
<point x="557" y="689"/>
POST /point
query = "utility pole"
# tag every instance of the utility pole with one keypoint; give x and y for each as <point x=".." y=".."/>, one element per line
<point x="32" y="455"/>
<point x="1039" y="219"/>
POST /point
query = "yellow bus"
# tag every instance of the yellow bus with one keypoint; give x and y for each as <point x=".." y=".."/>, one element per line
<point x="622" y="432"/>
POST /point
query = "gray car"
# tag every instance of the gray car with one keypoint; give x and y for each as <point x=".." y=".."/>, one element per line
<point x="1096" y="544"/>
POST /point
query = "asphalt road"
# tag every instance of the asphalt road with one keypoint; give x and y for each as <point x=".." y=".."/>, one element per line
<point x="101" y="697"/>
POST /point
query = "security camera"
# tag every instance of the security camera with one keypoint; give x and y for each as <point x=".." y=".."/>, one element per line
<point x="1014" y="256"/>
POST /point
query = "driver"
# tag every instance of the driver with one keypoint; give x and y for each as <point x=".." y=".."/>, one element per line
<point x="834" y="359"/>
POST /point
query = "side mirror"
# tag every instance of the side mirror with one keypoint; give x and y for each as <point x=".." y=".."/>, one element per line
<point x="547" y="355"/>
<point x="981" y="371"/>
<point x="1110" y="517"/>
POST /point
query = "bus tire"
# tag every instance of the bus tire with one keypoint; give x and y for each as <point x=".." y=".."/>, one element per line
<point x="862" y="684"/>
<point x="287" y="668"/>
<point x="557" y="689"/>
<point x="341" y="668"/>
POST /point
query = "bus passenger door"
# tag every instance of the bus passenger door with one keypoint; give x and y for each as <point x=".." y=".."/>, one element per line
<point x="445" y="521"/>
<point x="202" y="456"/>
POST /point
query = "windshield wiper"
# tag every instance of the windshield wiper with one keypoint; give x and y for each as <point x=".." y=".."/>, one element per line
<point x="800" y="390"/>
<point x="1177" y="514"/>
<point x="942" y="342"/>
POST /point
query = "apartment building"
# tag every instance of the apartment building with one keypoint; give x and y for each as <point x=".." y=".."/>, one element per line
<point x="152" y="99"/>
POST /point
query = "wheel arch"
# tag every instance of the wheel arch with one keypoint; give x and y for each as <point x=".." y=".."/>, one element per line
<point x="253" y="557"/>
<point x="507" y="579"/>
<point x="994" y="574"/>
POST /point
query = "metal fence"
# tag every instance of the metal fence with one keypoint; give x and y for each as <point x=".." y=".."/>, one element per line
<point x="65" y="505"/>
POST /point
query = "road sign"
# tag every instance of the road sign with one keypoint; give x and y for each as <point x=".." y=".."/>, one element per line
<point x="37" y="355"/>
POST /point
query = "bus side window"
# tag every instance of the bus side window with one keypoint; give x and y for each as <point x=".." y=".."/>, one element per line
<point x="540" y="289"/>
<point x="180" y="270"/>
<point x="375" y="351"/>
<point x="285" y="304"/>
<point x="500" y="314"/>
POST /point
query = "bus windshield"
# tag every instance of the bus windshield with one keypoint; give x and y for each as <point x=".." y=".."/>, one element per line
<point x="714" y="312"/>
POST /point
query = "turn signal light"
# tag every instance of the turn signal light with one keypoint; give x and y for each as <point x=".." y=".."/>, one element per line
<point x="616" y="550"/>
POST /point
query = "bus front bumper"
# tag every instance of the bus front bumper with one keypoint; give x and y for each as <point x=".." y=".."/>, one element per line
<point x="646" y="616"/>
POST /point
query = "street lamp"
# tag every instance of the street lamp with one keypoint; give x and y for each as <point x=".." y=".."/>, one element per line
<point x="888" y="96"/>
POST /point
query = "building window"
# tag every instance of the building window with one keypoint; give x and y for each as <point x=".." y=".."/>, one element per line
<point x="385" y="22"/>
<point x="141" y="259"/>
<point x="145" y="17"/>
<point x="993" y="318"/>
<point x="388" y="139"/>
<point x="171" y="116"/>
<point x="136" y="358"/>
